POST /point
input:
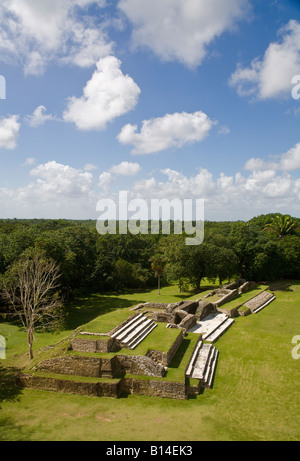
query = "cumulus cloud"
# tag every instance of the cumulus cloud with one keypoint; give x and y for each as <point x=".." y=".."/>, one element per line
<point x="171" y="130"/>
<point x="55" y="191"/>
<point x="9" y="132"/>
<point x="288" y="161"/>
<point x="105" y="180"/>
<point x="271" y="76"/>
<point x="108" y="95"/>
<point x="38" y="32"/>
<point x="126" y="169"/>
<point x="181" y="30"/>
<point x="227" y="197"/>
<point x="39" y="117"/>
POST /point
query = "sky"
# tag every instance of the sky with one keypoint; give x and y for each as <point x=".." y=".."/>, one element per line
<point x="168" y="99"/>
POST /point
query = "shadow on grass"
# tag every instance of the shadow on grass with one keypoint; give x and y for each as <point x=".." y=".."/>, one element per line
<point x="180" y="353"/>
<point x="85" y="310"/>
<point x="8" y="388"/>
<point x="283" y="285"/>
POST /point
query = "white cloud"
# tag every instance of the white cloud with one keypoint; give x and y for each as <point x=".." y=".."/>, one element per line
<point x="271" y="76"/>
<point x="108" y="95"/>
<point x="60" y="191"/>
<point x="90" y="167"/>
<point x="29" y="161"/>
<point x="288" y="161"/>
<point x="56" y="179"/>
<point x="9" y="132"/>
<point x="37" y="32"/>
<point x="39" y="117"/>
<point x="171" y="130"/>
<point x="181" y="30"/>
<point x="55" y="191"/>
<point x="105" y="180"/>
<point x="126" y="169"/>
<point x="228" y="197"/>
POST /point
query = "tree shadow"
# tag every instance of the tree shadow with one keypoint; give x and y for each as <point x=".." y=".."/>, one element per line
<point x="180" y="353"/>
<point x="85" y="310"/>
<point x="9" y="391"/>
<point x="283" y="285"/>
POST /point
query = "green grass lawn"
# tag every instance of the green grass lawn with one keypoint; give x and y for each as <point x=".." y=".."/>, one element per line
<point x="255" y="394"/>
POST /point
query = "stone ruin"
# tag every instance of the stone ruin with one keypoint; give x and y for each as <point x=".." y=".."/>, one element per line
<point x="98" y="365"/>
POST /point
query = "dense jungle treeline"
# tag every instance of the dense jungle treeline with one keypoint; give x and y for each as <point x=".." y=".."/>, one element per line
<point x="264" y="248"/>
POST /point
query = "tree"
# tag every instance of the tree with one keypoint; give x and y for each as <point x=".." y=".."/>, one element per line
<point x="225" y="263"/>
<point x="157" y="265"/>
<point x="281" y="226"/>
<point x="30" y="289"/>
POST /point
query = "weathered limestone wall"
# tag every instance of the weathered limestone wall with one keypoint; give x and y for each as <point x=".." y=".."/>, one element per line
<point x="165" y="358"/>
<point x="135" y="386"/>
<point x="94" y="345"/>
<point x="83" y="366"/>
<point x="163" y="317"/>
<point x="164" y="389"/>
<point x="247" y="286"/>
<point x="188" y="322"/>
<point x="93" y="389"/>
<point x="141" y="365"/>
<point x="204" y="308"/>
<point x="227" y="297"/>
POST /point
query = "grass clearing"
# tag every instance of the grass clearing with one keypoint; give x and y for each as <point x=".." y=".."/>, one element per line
<point x="255" y="394"/>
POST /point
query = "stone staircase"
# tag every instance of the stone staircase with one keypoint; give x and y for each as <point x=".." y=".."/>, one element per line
<point x="134" y="332"/>
<point x="212" y="326"/>
<point x="260" y="301"/>
<point x="202" y="364"/>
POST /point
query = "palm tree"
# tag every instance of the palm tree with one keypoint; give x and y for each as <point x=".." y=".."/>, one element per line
<point x="281" y="226"/>
<point x="157" y="265"/>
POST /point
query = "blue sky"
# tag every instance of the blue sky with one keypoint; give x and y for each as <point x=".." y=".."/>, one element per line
<point x="164" y="99"/>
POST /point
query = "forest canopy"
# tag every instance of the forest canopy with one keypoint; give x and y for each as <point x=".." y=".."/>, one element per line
<point x="266" y="247"/>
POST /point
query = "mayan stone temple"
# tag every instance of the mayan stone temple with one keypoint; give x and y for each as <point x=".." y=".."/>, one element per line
<point x="105" y="364"/>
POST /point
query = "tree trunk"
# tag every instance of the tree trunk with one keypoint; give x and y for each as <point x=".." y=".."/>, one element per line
<point x="30" y="343"/>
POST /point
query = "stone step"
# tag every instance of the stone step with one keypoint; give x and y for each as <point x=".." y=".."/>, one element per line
<point x="211" y="370"/>
<point x="193" y="359"/>
<point x="255" y="311"/>
<point x="212" y="337"/>
<point x="201" y="362"/>
<point x="216" y="323"/>
<point x="133" y="333"/>
<point x="128" y="326"/>
<point x="133" y="344"/>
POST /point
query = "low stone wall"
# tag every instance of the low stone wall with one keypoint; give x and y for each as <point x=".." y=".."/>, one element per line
<point x="152" y="388"/>
<point x="189" y="307"/>
<point x="204" y="308"/>
<point x="163" y="317"/>
<point x="92" y="389"/>
<point x="83" y="366"/>
<point x="227" y="297"/>
<point x="165" y="358"/>
<point x="141" y="365"/>
<point x="247" y="286"/>
<point x="163" y="389"/>
<point x="233" y="285"/>
<point x="94" y="345"/>
<point x="188" y="322"/>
